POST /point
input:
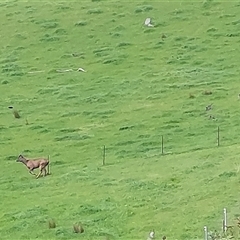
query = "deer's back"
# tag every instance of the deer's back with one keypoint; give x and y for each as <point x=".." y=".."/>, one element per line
<point x="35" y="163"/>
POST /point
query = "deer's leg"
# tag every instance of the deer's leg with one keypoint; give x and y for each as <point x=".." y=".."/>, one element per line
<point x="45" y="172"/>
<point x="31" y="171"/>
<point x="40" y="172"/>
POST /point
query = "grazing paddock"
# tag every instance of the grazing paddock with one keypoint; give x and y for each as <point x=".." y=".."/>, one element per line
<point x="88" y="74"/>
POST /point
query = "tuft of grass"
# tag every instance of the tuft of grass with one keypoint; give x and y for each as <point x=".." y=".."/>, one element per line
<point x="12" y="69"/>
<point x="207" y="3"/>
<point x="81" y="23"/>
<point x="4" y="82"/>
<point x="60" y="31"/>
<point x="143" y="8"/>
<point x="78" y="228"/>
<point x="95" y="11"/>
<point x="207" y="92"/>
<point x="16" y="113"/>
<point x="48" y="38"/>
<point x="51" y="224"/>
<point x="191" y="96"/>
<point x="49" y="25"/>
<point x="123" y="44"/>
<point x="212" y="29"/>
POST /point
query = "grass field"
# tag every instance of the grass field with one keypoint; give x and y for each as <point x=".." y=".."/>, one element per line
<point x="138" y="87"/>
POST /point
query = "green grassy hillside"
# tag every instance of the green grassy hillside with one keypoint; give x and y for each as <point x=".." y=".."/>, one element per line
<point x="138" y="86"/>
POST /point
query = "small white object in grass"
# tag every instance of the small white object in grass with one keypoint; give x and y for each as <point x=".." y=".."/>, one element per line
<point x="67" y="70"/>
<point x="148" y="22"/>
<point x="81" y="70"/>
<point x="37" y="71"/>
<point x="151" y="235"/>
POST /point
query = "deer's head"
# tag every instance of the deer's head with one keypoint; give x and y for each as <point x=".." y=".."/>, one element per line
<point x="20" y="158"/>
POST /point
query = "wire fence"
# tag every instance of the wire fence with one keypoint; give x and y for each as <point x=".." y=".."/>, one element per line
<point x="191" y="141"/>
<point x="172" y="141"/>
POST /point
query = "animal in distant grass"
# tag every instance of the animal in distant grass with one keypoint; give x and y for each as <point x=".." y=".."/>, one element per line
<point x="209" y="107"/>
<point x="38" y="163"/>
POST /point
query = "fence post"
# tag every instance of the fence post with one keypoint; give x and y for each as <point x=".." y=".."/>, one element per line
<point x="49" y="165"/>
<point x="162" y="144"/>
<point x="218" y="136"/>
<point x="104" y="155"/>
<point x="205" y="233"/>
<point x="224" y="220"/>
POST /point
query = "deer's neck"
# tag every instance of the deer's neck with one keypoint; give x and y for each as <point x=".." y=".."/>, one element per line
<point x="24" y="161"/>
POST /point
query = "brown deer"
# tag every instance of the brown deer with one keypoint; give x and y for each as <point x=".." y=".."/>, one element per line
<point x="32" y="164"/>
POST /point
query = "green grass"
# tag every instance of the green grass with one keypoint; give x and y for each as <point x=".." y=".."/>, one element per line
<point x="138" y="87"/>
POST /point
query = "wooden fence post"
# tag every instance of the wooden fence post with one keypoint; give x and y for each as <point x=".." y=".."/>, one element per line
<point x="162" y="144"/>
<point x="104" y="154"/>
